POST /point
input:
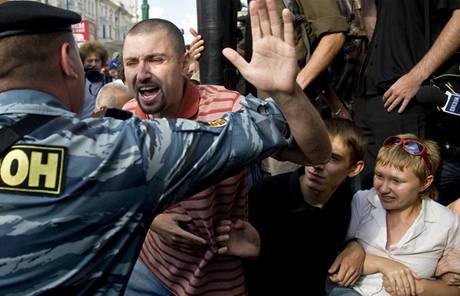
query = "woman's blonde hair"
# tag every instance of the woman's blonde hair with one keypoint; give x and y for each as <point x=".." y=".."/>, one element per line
<point x="397" y="157"/>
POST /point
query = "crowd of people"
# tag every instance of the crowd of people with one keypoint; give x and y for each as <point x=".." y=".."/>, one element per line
<point x="128" y="176"/>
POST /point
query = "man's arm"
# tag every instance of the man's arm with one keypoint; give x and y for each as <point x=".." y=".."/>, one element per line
<point x="405" y="88"/>
<point x="369" y="16"/>
<point x="328" y="47"/>
<point x="348" y="266"/>
<point x="323" y="55"/>
<point x="435" y="287"/>
<point x="273" y="68"/>
<point x="449" y="267"/>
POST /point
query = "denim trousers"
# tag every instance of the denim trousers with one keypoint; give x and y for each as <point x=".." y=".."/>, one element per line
<point x="342" y="291"/>
<point x="143" y="283"/>
<point x="335" y="290"/>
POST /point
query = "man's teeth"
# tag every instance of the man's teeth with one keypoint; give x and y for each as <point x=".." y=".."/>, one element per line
<point x="147" y="89"/>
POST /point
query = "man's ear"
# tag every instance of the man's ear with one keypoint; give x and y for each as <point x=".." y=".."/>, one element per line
<point x="356" y="168"/>
<point x="185" y="63"/>
<point x="67" y="64"/>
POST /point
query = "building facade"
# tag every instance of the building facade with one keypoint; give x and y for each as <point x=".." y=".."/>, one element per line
<point x="107" y="21"/>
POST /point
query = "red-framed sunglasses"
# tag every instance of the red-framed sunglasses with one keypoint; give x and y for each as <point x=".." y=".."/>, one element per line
<point x="413" y="147"/>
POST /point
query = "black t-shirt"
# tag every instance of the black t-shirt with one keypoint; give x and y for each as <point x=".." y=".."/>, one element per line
<point x="299" y="241"/>
<point x="404" y="32"/>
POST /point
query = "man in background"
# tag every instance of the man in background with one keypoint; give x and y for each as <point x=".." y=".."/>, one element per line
<point x="94" y="57"/>
<point x="398" y="63"/>
<point x="112" y="95"/>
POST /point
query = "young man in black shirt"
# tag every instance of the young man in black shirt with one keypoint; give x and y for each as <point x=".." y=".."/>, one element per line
<point x="302" y="219"/>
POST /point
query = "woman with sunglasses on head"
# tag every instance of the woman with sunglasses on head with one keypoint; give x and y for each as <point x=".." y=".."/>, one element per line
<point x="402" y="230"/>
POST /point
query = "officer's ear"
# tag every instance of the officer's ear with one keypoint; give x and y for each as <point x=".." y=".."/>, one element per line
<point x="68" y="63"/>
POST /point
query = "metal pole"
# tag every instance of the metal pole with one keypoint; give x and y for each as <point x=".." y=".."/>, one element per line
<point x="145" y="10"/>
<point x="217" y="25"/>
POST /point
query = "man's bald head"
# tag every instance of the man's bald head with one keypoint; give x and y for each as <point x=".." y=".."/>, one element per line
<point x="112" y="95"/>
<point x="156" y="25"/>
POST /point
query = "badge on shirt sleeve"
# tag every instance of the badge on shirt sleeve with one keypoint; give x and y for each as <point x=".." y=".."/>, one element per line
<point x="217" y="122"/>
<point x="33" y="169"/>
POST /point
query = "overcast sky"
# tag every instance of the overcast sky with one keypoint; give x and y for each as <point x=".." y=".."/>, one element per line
<point x="181" y="12"/>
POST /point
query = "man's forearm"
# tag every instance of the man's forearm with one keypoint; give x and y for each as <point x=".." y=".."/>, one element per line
<point x="369" y="17"/>
<point x="445" y="45"/>
<point x="306" y="126"/>
<point x="322" y="56"/>
<point x="436" y="288"/>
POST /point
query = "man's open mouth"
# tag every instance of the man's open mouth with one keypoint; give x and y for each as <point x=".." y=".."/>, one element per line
<point x="149" y="94"/>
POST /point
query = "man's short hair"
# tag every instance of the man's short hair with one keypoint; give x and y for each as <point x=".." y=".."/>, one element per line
<point x="351" y="136"/>
<point x="156" y="24"/>
<point x="31" y="56"/>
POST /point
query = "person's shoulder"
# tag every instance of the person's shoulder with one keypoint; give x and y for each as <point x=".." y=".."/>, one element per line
<point x="131" y="105"/>
<point x="210" y="91"/>
<point x="438" y="212"/>
<point x="366" y="194"/>
<point x="217" y="96"/>
<point x="366" y="198"/>
<point x="455" y="206"/>
<point x="343" y="195"/>
<point x="272" y="184"/>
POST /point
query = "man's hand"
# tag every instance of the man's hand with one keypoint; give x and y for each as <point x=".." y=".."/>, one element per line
<point x="401" y="92"/>
<point x="166" y="225"/>
<point x="449" y="268"/>
<point x="450" y="263"/>
<point x="452" y="279"/>
<point x="239" y="239"/>
<point x="273" y="67"/>
<point x="348" y="266"/>
<point x="197" y="45"/>
<point x="398" y="279"/>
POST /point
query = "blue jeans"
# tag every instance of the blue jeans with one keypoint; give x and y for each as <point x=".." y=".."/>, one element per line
<point x="335" y="290"/>
<point x="143" y="283"/>
<point x="342" y="291"/>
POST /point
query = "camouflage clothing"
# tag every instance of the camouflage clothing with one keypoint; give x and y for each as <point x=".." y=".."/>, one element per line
<point x="77" y="196"/>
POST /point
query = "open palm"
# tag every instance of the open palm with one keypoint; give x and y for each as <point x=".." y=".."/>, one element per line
<point x="273" y="66"/>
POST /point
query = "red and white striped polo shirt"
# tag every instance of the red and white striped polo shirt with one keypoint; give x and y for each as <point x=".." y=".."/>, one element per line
<point x="204" y="272"/>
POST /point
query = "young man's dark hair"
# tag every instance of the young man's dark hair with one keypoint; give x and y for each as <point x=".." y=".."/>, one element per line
<point x="350" y="134"/>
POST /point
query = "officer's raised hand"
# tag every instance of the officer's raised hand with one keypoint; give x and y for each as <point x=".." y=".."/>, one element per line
<point x="273" y="66"/>
<point x="273" y="69"/>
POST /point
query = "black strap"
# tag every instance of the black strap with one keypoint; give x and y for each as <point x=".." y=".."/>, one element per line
<point x="11" y="134"/>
